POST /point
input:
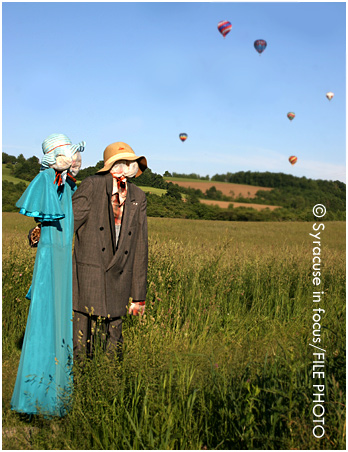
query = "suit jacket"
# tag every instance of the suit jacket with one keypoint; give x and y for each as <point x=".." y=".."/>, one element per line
<point x="105" y="276"/>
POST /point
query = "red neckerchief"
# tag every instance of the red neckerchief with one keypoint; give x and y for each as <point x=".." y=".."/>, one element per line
<point x="116" y="205"/>
<point x="59" y="179"/>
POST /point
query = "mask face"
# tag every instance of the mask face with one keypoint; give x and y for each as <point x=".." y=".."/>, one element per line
<point x="76" y="164"/>
<point x="62" y="163"/>
<point x="125" y="168"/>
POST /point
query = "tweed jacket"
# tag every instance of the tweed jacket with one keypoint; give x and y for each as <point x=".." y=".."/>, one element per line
<point x="106" y="275"/>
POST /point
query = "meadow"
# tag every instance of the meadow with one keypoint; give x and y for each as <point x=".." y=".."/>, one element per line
<point x="221" y="358"/>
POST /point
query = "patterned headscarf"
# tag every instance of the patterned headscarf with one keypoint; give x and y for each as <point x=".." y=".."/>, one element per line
<point x="56" y="145"/>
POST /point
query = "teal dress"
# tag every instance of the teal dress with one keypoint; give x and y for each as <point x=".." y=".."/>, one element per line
<point x="44" y="377"/>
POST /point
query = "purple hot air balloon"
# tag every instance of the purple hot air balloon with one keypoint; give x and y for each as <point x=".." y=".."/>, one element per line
<point x="260" y="45"/>
<point x="224" y="27"/>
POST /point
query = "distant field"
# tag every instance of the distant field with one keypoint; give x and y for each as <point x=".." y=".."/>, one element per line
<point x="6" y="175"/>
<point x="154" y="191"/>
<point x="225" y="204"/>
<point x="246" y="191"/>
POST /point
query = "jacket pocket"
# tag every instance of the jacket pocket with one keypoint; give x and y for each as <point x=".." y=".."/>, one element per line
<point x="90" y="286"/>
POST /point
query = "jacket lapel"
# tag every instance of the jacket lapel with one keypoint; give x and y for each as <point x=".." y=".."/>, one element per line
<point x="128" y="213"/>
<point x="109" y="187"/>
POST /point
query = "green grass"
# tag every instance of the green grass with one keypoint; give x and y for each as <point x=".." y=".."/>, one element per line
<point x="6" y="175"/>
<point x="188" y="179"/>
<point x="221" y="359"/>
<point x="155" y="191"/>
<point x="184" y="179"/>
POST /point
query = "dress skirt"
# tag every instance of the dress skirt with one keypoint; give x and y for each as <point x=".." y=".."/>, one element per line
<point x="44" y="379"/>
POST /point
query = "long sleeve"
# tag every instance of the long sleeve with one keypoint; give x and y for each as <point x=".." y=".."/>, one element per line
<point x="40" y="199"/>
<point x="81" y="202"/>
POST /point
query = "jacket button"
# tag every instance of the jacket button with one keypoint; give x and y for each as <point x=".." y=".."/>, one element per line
<point x="126" y="252"/>
<point x="130" y="233"/>
<point x="101" y="228"/>
<point x="103" y="249"/>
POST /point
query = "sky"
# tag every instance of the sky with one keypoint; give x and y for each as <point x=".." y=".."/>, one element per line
<point x="143" y="73"/>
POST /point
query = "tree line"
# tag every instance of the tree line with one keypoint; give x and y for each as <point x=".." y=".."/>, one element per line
<point x="296" y="195"/>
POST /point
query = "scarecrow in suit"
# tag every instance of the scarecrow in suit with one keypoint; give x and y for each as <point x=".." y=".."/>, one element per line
<point x="111" y="250"/>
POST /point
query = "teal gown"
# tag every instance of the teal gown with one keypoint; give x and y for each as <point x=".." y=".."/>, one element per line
<point x="44" y="378"/>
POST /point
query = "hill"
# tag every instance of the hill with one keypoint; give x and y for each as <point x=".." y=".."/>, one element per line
<point x="226" y="188"/>
<point x="7" y="176"/>
<point x="242" y="196"/>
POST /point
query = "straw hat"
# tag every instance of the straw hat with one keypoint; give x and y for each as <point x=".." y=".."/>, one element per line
<point x="58" y="144"/>
<point x="121" y="151"/>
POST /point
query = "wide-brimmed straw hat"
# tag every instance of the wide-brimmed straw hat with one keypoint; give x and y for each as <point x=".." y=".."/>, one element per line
<point x="58" y="144"/>
<point x="121" y="151"/>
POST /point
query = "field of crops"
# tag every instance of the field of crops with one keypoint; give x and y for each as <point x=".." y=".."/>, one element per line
<point x="225" y="204"/>
<point x="228" y="189"/>
<point x="222" y="358"/>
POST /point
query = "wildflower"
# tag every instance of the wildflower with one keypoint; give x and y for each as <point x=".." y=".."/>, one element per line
<point x="216" y="365"/>
<point x="20" y="274"/>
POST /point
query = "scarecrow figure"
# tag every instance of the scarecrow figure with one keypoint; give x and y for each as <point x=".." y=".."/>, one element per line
<point x="44" y="379"/>
<point x="110" y="251"/>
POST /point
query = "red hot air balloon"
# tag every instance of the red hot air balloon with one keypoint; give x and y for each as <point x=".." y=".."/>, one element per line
<point x="260" y="45"/>
<point x="291" y="115"/>
<point x="183" y="136"/>
<point x="292" y="160"/>
<point x="224" y="27"/>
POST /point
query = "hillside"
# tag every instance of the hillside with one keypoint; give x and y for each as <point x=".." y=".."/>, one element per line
<point x="242" y="196"/>
<point x="6" y="176"/>
<point x="226" y="204"/>
<point x="226" y="188"/>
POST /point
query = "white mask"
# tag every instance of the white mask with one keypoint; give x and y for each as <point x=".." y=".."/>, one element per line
<point x="121" y="168"/>
<point x="76" y="164"/>
<point x="62" y="163"/>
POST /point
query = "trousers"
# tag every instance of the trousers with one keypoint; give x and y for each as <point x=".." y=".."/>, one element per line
<point x="92" y="331"/>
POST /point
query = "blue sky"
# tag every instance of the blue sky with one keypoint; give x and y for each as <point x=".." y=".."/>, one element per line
<point x="144" y="72"/>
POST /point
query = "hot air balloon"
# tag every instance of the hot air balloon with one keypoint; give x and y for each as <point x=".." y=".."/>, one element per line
<point x="224" y="27"/>
<point x="291" y="115"/>
<point x="260" y="45"/>
<point x="329" y="95"/>
<point x="292" y="160"/>
<point x="183" y="136"/>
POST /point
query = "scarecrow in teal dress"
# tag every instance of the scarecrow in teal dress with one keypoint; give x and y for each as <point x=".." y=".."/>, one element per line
<point x="44" y="377"/>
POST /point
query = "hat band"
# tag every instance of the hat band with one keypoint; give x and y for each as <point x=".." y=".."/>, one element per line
<point x="60" y="145"/>
<point x="125" y="156"/>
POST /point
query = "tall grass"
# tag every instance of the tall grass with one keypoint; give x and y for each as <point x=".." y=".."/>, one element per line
<point x="221" y="358"/>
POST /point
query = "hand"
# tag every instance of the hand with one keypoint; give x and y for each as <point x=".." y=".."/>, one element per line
<point x="137" y="308"/>
<point x="34" y="236"/>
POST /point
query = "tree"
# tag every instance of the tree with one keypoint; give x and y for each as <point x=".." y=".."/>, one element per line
<point x="173" y="191"/>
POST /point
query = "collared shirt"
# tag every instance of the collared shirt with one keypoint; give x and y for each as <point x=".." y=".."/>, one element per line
<point x="119" y="194"/>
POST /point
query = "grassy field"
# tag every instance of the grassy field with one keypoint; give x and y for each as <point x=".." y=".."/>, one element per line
<point x="6" y="175"/>
<point x="154" y="191"/>
<point x="220" y="361"/>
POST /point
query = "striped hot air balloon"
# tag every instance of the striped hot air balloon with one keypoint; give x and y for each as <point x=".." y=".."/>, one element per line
<point x="260" y="45"/>
<point x="224" y="27"/>
<point x="330" y="95"/>
<point x="291" y="115"/>
<point x="292" y="160"/>
<point x="183" y="136"/>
